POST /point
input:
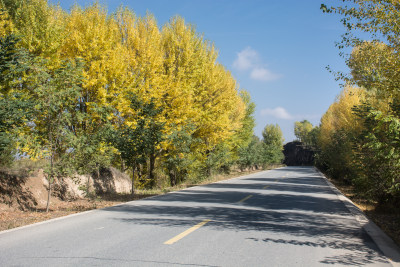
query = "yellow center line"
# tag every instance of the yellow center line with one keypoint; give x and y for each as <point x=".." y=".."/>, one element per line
<point x="185" y="233"/>
<point x="265" y="186"/>
<point x="244" y="199"/>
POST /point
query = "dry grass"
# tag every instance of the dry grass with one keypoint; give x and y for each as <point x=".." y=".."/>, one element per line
<point x="11" y="217"/>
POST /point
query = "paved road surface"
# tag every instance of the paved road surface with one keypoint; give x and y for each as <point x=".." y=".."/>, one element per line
<point x="284" y="217"/>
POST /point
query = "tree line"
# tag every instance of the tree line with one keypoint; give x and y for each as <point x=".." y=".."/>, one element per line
<point x="358" y="139"/>
<point x="85" y="90"/>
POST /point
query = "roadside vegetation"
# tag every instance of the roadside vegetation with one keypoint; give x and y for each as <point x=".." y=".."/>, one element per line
<point x="358" y="139"/>
<point x="357" y="143"/>
<point x="85" y="90"/>
<point x="359" y="135"/>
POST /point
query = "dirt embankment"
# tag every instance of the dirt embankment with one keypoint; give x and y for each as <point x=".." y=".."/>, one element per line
<point x="29" y="191"/>
<point x="23" y="196"/>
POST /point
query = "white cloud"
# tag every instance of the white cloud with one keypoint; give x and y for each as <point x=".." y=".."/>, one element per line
<point x="246" y="59"/>
<point x="282" y="113"/>
<point x="263" y="74"/>
<point x="278" y="112"/>
<point x="249" y="59"/>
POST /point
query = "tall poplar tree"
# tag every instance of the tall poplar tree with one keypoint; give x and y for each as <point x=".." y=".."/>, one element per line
<point x="273" y="144"/>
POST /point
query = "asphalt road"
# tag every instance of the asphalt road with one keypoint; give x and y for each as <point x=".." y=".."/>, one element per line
<point x="283" y="217"/>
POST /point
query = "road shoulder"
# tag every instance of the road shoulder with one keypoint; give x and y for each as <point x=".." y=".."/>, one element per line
<point x="382" y="240"/>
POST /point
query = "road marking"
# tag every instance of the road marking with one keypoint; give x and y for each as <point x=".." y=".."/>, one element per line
<point x="99" y="228"/>
<point x="265" y="187"/>
<point x="244" y="199"/>
<point x="185" y="233"/>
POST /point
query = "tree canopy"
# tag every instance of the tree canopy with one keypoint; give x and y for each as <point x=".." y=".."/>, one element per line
<point x="86" y="89"/>
<point x="359" y="135"/>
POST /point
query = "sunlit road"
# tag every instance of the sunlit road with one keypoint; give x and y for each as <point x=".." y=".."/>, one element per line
<point x="284" y="217"/>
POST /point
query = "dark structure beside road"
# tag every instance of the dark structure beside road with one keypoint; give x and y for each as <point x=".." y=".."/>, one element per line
<point x="296" y="154"/>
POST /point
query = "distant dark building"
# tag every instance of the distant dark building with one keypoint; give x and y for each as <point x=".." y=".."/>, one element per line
<point x="296" y="154"/>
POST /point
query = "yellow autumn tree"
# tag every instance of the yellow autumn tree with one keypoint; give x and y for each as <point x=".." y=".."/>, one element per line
<point x="339" y="125"/>
<point x="40" y="26"/>
<point x="220" y="110"/>
<point x="340" y="115"/>
<point x="200" y="92"/>
<point x="182" y="46"/>
<point x="94" y="37"/>
<point x="217" y="102"/>
<point x="138" y="77"/>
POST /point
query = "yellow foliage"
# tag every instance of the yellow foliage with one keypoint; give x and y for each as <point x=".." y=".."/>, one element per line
<point x="200" y="91"/>
<point x="41" y="27"/>
<point x="375" y="67"/>
<point x="96" y="38"/>
<point x="125" y="56"/>
<point x="340" y="115"/>
<point x="6" y="24"/>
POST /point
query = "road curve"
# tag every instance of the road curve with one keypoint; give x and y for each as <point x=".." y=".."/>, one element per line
<point x="284" y="217"/>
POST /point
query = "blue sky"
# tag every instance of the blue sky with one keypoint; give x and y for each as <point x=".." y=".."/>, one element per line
<point x="277" y="50"/>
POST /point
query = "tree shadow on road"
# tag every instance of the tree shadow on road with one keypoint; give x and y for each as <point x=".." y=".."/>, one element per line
<point x="355" y="257"/>
<point x="293" y="211"/>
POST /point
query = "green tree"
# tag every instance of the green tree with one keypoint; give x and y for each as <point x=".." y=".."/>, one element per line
<point x="378" y="158"/>
<point x="302" y="131"/>
<point x="132" y="149"/>
<point x="92" y="150"/>
<point x="178" y="156"/>
<point x="56" y="97"/>
<point x="272" y="135"/>
<point x="252" y="156"/>
<point x="244" y="136"/>
<point x="141" y="142"/>
<point x="15" y="104"/>
<point x="273" y="144"/>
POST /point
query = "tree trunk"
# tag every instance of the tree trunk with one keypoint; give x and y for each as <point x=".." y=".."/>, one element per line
<point x="172" y="177"/>
<point x="144" y="169"/>
<point x="48" y="194"/>
<point x="98" y="173"/>
<point x="208" y="171"/>
<point x="87" y="186"/>
<point x="122" y="164"/>
<point x="151" y="170"/>
<point x="50" y="179"/>
<point x="208" y="165"/>
<point x="133" y="181"/>
<point x="51" y="175"/>
<point x="139" y="172"/>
